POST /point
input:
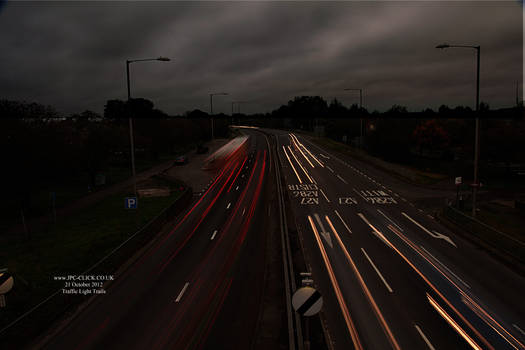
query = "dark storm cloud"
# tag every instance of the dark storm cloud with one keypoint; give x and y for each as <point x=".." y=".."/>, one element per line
<point x="72" y="55"/>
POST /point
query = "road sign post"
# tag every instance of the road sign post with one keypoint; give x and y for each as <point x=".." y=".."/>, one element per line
<point x="458" y="181"/>
<point x="6" y="283"/>
<point x="306" y="281"/>
<point x="307" y="301"/>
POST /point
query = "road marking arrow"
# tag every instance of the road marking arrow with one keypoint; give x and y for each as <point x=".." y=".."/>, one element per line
<point x="446" y="238"/>
<point x="432" y="234"/>
<point x="324" y="233"/>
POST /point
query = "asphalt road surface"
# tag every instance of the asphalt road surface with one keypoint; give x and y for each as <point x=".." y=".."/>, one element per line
<point x="198" y="285"/>
<point x="391" y="276"/>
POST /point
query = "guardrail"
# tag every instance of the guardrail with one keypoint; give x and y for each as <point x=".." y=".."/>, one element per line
<point x="489" y="235"/>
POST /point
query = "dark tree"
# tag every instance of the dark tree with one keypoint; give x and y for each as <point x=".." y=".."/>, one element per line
<point x="115" y="109"/>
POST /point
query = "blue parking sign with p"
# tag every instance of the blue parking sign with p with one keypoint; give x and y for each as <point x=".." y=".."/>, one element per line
<point x="131" y="203"/>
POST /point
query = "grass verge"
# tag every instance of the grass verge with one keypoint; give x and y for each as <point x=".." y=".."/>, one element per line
<point x="408" y="174"/>
<point x="71" y="246"/>
<point x="507" y="247"/>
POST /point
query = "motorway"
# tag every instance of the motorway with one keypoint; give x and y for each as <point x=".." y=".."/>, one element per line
<point x="187" y="290"/>
<point x="392" y="277"/>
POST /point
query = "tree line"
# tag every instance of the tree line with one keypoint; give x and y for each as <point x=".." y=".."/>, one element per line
<point x="42" y="149"/>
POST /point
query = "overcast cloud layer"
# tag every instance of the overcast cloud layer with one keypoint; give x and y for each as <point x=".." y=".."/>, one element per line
<point x="72" y="55"/>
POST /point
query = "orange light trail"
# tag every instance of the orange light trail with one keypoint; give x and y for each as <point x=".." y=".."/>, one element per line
<point x="485" y="316"/>
<point x="310" y="153"/>
<point x="453" y="323"/>
<point x="299" y="148"/>
<point x="344" y="309"/>
<point x="488" y="346"/>
<point x="379" y="315"/>
<point x="298" y="162"/>
<point x="295" y="171"/>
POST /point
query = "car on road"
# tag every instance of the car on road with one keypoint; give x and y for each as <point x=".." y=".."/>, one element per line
<point x="181" y="160"/>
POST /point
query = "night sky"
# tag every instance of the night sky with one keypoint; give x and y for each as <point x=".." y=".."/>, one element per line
<point x="72" y="54"/>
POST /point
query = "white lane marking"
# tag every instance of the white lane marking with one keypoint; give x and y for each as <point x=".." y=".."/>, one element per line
<point x="229" y="205"/>
<point x="518" y="328"/>
<point x="364" y="288"/>
<point x="359" y="194"/>
<point x="432" y="234"/>
<point x="429" y="344"/>
<point x="325" y="197"/>
<point x="243" y="211"/>
<point x="344" y="223"/>
<point x="430" y="216"/>
<point x="182" y="292"/>
<point x="213" y="235"/>
<point x="294" y="170"/>
<point x="324" y="233"/>
<point x="242" y="175"/>
<point x="375" y="231"/>
<point x="377" y="270"/>
<point x="340" y="178"/>
<point x="327" y="167"/>
<point x="237" y="188"/>
<point x="403" y="199"/>
<point x="445" y="267"/>
<point x="325" y="157"/>
<point x="399" y="228"/>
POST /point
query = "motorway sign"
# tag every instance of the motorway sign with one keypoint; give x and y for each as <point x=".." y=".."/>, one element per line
<point x="307" y="301"/>
<point x="6" y="282"/>
<point x="459" y="180"/>
<point x="131" y="203"/>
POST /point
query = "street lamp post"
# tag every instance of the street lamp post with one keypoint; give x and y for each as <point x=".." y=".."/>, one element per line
<point x="476" y="137"/>
<point x="130" y="119"/>
<point x="211" y="109"/>
<point x="360" y="110"/>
